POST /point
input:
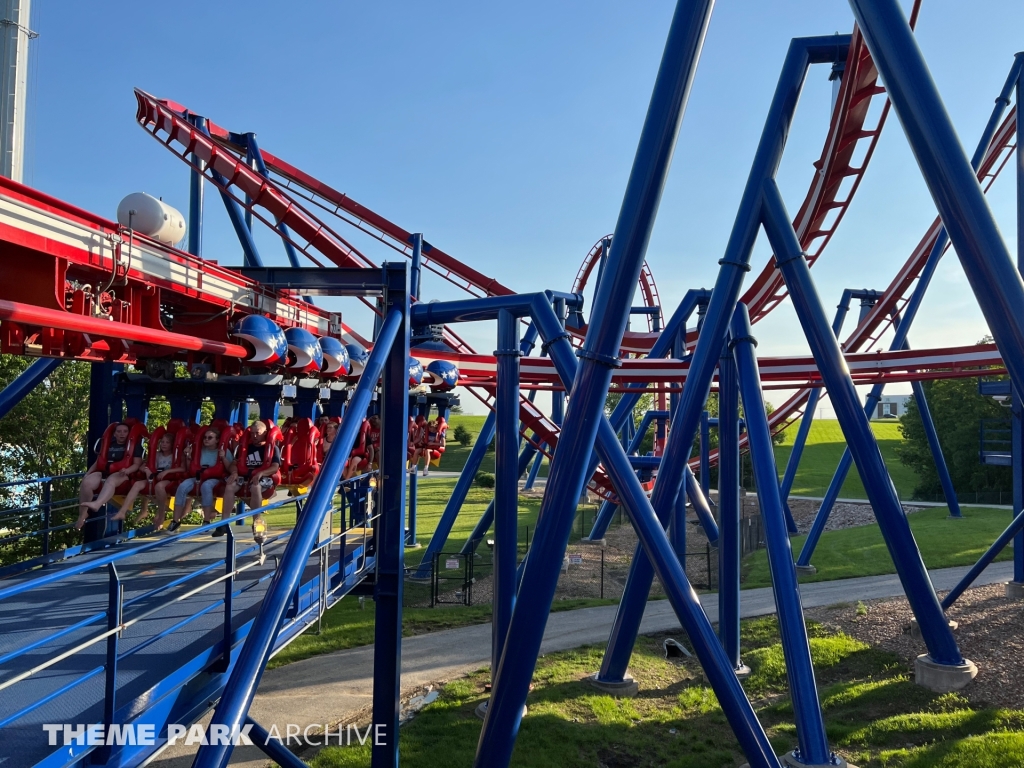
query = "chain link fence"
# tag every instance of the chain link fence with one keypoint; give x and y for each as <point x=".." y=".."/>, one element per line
<point x="588" y="570"/>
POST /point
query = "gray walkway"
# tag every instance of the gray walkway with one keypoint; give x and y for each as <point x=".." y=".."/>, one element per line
<point x="332" y="688"/>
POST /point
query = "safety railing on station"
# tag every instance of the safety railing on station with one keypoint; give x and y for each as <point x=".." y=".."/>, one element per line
<point x="32" y="532"/>
<point x="333" y="579"/>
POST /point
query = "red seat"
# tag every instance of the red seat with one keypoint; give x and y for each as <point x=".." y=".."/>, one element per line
<point x="300" y="452"/>
<point x="137" y="433"/>
<point x="274" y="438"/>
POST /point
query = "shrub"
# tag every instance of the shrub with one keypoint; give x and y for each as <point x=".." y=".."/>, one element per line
<point x="485" y="479"/>
<point x="462" y="435"/>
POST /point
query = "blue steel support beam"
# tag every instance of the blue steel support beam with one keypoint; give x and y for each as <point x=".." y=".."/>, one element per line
<point x="623" y="411"/>
<point x="195" y="196"/>
<point x="252" y="660"/>
<point x="599" y="356"/>
<point x="261" y="168"/>
<point x="796" y="647"/>
<point x="705" y="451"/>
<point x="805" y="423"/>
<point x="1015" y="527"/>
<point x="882" y="494"/>
<point x="410" y="536"/>
<point x="26" y="381"/>
<point x="417" y="266"/>
<point x="506" y="481"/>
<point x="389" y="530"/>
<point x="487" y="518"/>
<point x="993" y="276"/>
<point x="729" y="509"/>
<point x="466" y="477"/>
<point x="683" y="599"/>
<point x="910" y="313"/>
<point x="734" y="265"/>
<point x="475" y="310"/>
<point x="1018" y="446"/>
<point x="900" y="338"/>
<point x="534" y="472"/>
<point x="236" y="213"/>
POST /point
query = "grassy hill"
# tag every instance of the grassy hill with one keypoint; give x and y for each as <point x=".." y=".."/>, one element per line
<point x="825" y="446"/>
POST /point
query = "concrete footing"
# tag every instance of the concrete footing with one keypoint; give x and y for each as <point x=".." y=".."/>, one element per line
<point x="1015" y="590"/>
<point x="595" y="542"/>
<point x="943" y="678"/>
<point x="789" y="760"/>
<point x="915" y="630"/>
<point x="626" y="688"/>
<point x="806" y="570"/>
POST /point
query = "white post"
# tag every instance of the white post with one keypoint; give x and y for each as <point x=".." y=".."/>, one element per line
<point x="14" y="38"/>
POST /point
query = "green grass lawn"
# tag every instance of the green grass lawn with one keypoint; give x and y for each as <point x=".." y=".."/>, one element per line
<point x="824" y="449"/>
<point x="862" y="552"/>
<point x="346" y="625"/>
<point x="874" y="714"/>
<point x="455" y="455"/>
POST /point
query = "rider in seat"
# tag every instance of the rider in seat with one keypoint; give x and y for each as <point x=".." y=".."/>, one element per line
<point x="119" y="456"/>
<point x="255" y="471"/>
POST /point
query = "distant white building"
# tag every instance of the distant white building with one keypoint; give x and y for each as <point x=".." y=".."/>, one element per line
<point x="892" y="406"/>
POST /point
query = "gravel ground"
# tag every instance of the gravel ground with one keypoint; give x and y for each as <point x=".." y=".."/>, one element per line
<point x="989" y="634"/>
<point x="844" y="514"/>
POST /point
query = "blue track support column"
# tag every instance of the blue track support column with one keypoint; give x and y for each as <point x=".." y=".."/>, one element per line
<point x="700" y="505"/>
<point x="705" y="452"/>
<point x="942" y="647"/>
<point x="805" y="423"/>
<point x="534" y="471"/>
<point x="506" y="481"/>
<point x="993" y="276"/>
<point x="487" y="518"/>
<point x="252" y="660"/>
<point x="681" y="596"/>
<point x="796" y="647"/>
<point x="729" y="510"/>
<point x="734" y="265"/>
<point x="677" y="528"/>
<point x="389" y="530"/>
<point x="417" y="266"/>
<point x="26" y="381"/>
<point x="458" y="497"/>
<point x="195" y="197"/>
<point x="410" y="536"/>
<point x="598" y="358"/>
<point x="261" y="169"/>
<point x="948" y="491"/>
<point x="236" y="214"/>
<point x="1018" y="446"/>
<point x="101" y="397"/>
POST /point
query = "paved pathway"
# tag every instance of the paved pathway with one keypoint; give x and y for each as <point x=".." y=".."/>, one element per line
<point x="332" y="687"/>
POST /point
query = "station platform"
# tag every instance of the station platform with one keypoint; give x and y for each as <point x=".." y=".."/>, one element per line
<point x="171" y="656"/>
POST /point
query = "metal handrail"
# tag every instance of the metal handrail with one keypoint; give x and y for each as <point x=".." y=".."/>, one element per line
<point x="100" y="562"/>
<point x="29" y="481"/>
<point x="320" y="605"/>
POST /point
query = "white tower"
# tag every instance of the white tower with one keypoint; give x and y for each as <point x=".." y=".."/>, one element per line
<point x="14" y="38"/>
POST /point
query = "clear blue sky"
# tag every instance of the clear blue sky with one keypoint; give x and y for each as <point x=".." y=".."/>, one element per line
<point x="506" y="132"/>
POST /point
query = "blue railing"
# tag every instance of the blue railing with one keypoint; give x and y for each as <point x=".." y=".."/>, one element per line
<point x="313" y="597"/>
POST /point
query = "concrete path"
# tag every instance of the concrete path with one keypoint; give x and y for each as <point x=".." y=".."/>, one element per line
<point x="334" y="687"/>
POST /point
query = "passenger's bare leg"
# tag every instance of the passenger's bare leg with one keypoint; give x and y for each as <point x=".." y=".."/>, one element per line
<point x="88" y="489"/>
<point x="108" y="490"/>
<point x="129" y="499"/>
<point x="162" y="502"/>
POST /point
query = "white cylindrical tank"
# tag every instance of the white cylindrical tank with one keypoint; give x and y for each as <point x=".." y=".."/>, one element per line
<point x="152" y="217"/>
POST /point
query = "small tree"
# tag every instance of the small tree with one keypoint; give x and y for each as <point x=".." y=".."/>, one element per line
<point x="462" y="435"/>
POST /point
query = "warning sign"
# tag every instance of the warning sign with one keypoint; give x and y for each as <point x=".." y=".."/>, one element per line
<point x="452" y="564"/>
<point x="575" y="559"/>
